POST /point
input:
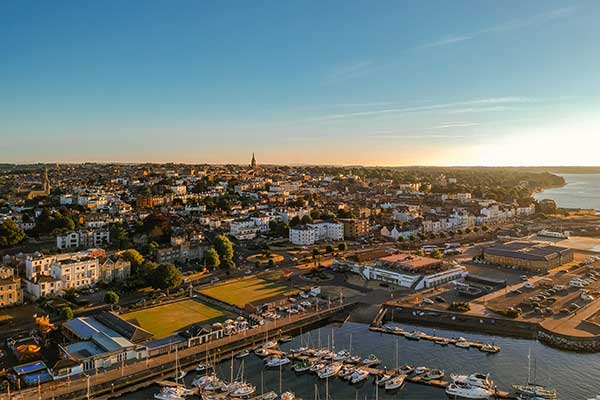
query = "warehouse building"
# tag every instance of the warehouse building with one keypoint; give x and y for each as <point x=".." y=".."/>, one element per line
<point x="527" y="255"/>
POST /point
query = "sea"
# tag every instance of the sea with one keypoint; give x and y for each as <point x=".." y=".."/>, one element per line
<point x="581" y="191"/>
<point x="576" y="376"/>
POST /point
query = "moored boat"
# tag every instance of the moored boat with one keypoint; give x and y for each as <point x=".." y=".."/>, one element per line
<point x="242" y="354"/>
<point x="434" y="374"/>
<point x="421" y="370"/>
<point x="276" y="361"/>
<point x="476" y="379"/>
<point x="396" y="382"/>
<point x="302" y="366"/>
<point x="371" y="360"/>
<point x="243" y="390"/>
<point x="329" y="371"/>
<point x="358" y="376"/>
<point x="489" y="348"/>
<point x="465" y="391"/>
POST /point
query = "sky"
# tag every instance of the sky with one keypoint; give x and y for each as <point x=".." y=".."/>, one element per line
<point x="387" y="83"/>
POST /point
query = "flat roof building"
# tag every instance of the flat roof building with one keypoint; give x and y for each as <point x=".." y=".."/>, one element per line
<point x="527" y="255"/>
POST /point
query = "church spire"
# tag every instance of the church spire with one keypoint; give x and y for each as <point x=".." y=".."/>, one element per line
<point x="253" y="162"/>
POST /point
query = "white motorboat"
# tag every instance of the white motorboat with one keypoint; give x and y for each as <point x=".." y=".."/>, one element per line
<point x="270" y="345"/>
<point x="329" y="371"/>
<point x="406" y="369"/>
<point x="476" y="379"/>
<point x="203" y="380"/>
<point x="413" y="335"/>
<point x="243" y="390"/>
<point x="442" y="342"/>
<point x="242" y="354"/>
<point x="346" y="373"/>
<point x="421" y="370"/>
<point x="371" y="360"/>
<point x="460" y="391"/>
<point x="463" y="344"/>
<point x="382" y="379"/>
<point x="354" y="360"/>
<point x="214" y="385"/>
<point x="489" y="348"/>
<point x="317" y="367"/>
<point x="396" y="382"/>
<point x="277" y="361"/>
<point x="434" y="374"/>
<point x="341" y="355"/>
<point x="358" y="376"/>
<point x="261" y="352"/>
<point x="171" y="393"/>
<point x="302" y="366"/>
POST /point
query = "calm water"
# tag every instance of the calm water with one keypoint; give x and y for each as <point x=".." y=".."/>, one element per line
<point x="581" y="191"/>
<point x="576" y="376"/>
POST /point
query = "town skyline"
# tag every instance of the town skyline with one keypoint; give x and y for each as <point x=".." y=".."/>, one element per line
<point x="341" y="84"/>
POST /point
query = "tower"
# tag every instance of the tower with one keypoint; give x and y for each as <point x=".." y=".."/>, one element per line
<point x="253" y="162"/>
<point x="46" y="181"/>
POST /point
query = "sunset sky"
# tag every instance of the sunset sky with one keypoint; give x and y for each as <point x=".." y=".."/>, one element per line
<point x="311" y="82"/>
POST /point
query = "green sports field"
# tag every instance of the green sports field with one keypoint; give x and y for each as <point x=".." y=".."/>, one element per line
<point x="247" y="290"/>
<point x="163" y="321"/>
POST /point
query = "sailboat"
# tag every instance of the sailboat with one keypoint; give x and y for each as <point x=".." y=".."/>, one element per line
<point x="396" y="381"/>
<point x="179" y="373"/>
<point x="533" y="389"/>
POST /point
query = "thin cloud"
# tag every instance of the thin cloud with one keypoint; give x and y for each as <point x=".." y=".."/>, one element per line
<point x="447" y="41"/>
<point x="456" y="125"/>
<point x="350" y="71"/>
<point x="481" y="109"/>
<point x="516" y="24"/>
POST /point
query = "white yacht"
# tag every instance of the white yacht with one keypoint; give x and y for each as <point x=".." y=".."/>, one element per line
<point x="341" y="355"/>
<point x="371" y="360"/>
<point x="330" y="370"/>
<point x="421" y="370"/>
<point x="434" y="374"/>
<point x="242" y="354"/>
<point x="490" y="348"/>
<point x="277" y="361"/>
<point x="476" y="379"/>
<point x="460" y="391"/>
<point x="383" y="379"/>
<point x="203" y="380"/>
<point x="243" y="390"/>
<point x="534" y="390"/>
<point x="358" y="376"/>
<point x="214" y="385"/>
<point x="396" y="382"/>
<point x="171" y="393"/>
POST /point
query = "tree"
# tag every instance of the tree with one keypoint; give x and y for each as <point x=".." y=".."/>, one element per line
<point x="329" y="249"/>
<point x="111" y="298"/>
<point x="295" y="221"/>
<point x="119" y="236"/>
<point x="135" y="258"/>
<point x="157" y="227"/>
<point x="271" y="263"/>
<point x="10" y="234"/>
<point x="228" y="265"/>
<point x="342" y="246"/>
<point x="166" y="276"/>
<point x="224" y="247"/>
<point x="307" y="219"/>
<point x="67" y="313"/>
<point x="420" y="253"/>
<point x="316" y="252"/>
<point x="436" y="254"/>
<point x="212" y="258"/>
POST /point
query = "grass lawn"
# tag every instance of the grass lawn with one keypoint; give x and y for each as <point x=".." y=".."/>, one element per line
<point x="247" y="290"/>
<point x="166" y="320"/>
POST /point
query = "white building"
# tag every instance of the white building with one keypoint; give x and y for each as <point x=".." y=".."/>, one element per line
<point x="305" y="235"/>
<point x="82" y="238"/>
<point x="243" y="229"/>
<point x="329" y="230"/>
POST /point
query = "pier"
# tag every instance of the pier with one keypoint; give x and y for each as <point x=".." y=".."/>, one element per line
<point x="113" y="383"/>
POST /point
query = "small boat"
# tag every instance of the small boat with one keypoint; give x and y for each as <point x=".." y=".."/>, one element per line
<point x="354" y="360"/>
<point x="203" y="380"/>
<point x="434" y="374"/>
<point x="299" y="350"/>
<point x="317" y="366"/>
<point x="202" y="367"/>
<point x="476" y="379"/>
<point x="286" y="396"/>
<point x="396" y="330"/>
<point x="421" y="370"/>
<point x="171" y="393"/>
<point x="266" y="396"/>
<point x="381" y="379"/>
<point x="465" y="391"/>
<point x="489" y="348"/>
<point x="270" y="345"/>
<point x="406" y="369"/>
<point x="346" y="372"/>
<point x="179" y="375"/>
<point x="534" y="390"/>
<point x="463" y="344"/>
<point x="396" y="382"/>
<point x="243" y="390"/>
<point x="285" y="339"/>
<point x="341" y="355"/>
<point x="277" y="361"/>
<point x="358" y="376"/>
<point x="214" y="396"/>
<point x="302" y="366"/>
<point x="414" y="335"/>
<point x="371" y="360"/>
<point x="442" y="342"/>
<point x="214" y="385"/>
<point x="330" y="370"/>
<point x="261" y="352"/>
<point x="243" y="353"/>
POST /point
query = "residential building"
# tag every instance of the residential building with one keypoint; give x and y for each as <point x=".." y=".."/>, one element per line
<point x="115" y="268"/>
<point x="304" y="235"/>
<point x="355" y="228"/>
<point x="329" y="230"/>
<point x="82" y="239"/>
<point x="11" y="292"/>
